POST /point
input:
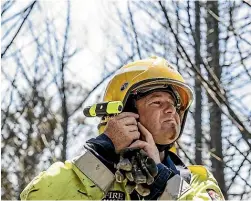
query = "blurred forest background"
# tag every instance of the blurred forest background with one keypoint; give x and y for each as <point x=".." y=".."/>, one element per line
<point x="57" y="57"/>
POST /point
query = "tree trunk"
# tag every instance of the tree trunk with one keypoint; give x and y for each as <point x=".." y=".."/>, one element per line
<point x="198" y="95"/>
<point x="213" y="57"/>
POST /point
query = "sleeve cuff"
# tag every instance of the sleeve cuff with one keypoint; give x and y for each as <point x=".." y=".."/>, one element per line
<point x="104" y="141"/>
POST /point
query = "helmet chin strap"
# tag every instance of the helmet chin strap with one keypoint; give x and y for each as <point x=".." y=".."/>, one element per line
<point x="163" y="147"/>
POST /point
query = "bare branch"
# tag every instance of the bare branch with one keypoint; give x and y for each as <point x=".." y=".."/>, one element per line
<point x="18" y="30"/>
<point x="6" y="6"/>
<point x="134" y="29"/>
<point x="247" y="2"/>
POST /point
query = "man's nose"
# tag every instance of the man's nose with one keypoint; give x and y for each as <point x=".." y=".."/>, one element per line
<point x="169" y="108"/>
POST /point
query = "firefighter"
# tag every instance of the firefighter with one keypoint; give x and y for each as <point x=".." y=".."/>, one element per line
<point x="156" y="102"/>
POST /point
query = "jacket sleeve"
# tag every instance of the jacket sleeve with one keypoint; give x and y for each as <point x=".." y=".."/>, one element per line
<point x="59" y="182"/>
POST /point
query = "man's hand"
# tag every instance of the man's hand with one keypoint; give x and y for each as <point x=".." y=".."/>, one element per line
<point x="148" y="145"/>
<point x="122" y="130"/>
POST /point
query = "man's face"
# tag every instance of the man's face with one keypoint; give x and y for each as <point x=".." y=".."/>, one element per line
<point x="158" y="114"/>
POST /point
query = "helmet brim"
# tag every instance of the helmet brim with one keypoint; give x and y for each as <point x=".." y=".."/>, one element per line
<point x="185" y="92"/>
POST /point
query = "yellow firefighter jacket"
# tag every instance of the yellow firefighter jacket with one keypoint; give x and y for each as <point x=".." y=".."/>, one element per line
<point x="86" y="178"/>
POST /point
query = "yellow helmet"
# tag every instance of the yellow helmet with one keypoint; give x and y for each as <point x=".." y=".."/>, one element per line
<point x="148" y="74"/>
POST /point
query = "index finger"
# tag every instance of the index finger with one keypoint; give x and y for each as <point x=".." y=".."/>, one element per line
<point x="127" y="114"/>
<point x="148" y="136"/>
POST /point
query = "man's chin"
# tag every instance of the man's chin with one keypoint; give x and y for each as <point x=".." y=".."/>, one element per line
<point x="166" y="138"/>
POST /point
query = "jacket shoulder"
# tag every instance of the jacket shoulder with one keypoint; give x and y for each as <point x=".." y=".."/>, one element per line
<point x="54" y="183"/>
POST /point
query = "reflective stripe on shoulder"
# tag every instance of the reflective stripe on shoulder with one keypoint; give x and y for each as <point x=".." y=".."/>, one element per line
<point x="200" y="170"/>
<point x="95" y="170"/>
<point x="175" y="188"/>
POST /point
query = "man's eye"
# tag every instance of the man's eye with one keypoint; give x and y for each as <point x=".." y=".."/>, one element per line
<point x="156" y="102"/>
